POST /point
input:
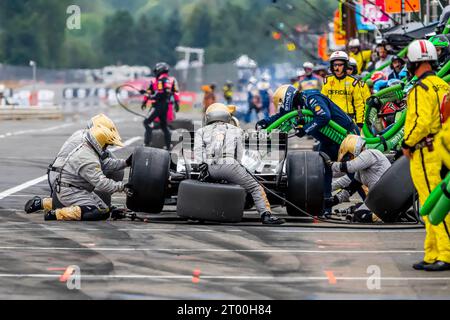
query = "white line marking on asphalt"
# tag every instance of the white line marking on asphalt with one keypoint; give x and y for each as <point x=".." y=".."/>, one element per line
<point x="25" y="185"/>
<point x="18" y="133"/>
<point x="237" y="278"/>
<point x="218" y="230"/>
<point x="33" y="182"/>
<point x="213" y="250"/>
<point x="6" y="230"/>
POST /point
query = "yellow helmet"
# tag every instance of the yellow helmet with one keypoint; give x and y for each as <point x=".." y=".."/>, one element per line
<point x="232" y="108"/>
<point x="352" y="144"/>
<point x="217" y="112"/>
<point x="105" y="136"/>
<point x="283" y="97"/>
<point x="103" y="120"/>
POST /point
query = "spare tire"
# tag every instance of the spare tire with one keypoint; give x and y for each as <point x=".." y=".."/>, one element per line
<point x="210" y="201"/>
<point x="148" y="178"/>
<point x="305" y="182"/>
<point x="393" y="194"/>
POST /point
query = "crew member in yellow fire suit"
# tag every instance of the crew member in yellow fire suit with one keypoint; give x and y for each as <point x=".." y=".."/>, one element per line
<point x="423" y="122"/>
<point x="344" y="90"/>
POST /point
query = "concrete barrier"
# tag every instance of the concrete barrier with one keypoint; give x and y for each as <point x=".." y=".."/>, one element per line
<point x="33" y="112"/>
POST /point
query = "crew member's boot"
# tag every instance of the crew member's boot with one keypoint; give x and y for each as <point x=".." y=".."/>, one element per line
<point x="421" y="265"/>
<point x="268" y="218"/>
<point x="437" y="266"/>
<point x="64" y="214"/>
<point x="37" y="203"/>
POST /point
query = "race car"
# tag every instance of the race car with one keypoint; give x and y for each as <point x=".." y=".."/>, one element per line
<point x="159" y="177"/>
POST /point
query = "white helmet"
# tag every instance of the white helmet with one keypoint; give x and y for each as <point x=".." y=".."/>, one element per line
<point x="265" y="76"/>
<point x="300" y="72"/>
<point x="338" y="55"/>
<point x="421" y="50"/>
<point x="352" y="62"/>
<point x="252" y="80"/>
<point x="308" y="65"/>
<point x="354" y="43"/>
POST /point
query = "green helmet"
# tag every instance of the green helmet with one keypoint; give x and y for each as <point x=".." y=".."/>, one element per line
<point x="440" y="41"/>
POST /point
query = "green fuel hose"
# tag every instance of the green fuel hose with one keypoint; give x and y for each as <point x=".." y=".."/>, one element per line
<point x="437" y="205"/>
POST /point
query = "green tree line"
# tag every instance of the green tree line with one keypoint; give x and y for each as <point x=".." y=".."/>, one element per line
<point x="146" y="31"/>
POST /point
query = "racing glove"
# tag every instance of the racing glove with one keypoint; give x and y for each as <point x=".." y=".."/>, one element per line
<point x="143" y="106"/>
<point x="326" y="159"/>
<point x="204" y="173"/>
<point x="177" y="107"/>
<point x="143" y="91"/>
<point x="262" y="124"/>
<point x="300" y="132"/>
<point x="128" y="189"/>
<point x="374" y="102"/>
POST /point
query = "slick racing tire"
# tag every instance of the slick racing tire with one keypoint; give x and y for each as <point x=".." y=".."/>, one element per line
<point x="182" y="124"/>
<point x="149" y="176"/>
<point x="210" y="201"/>
<point x="305" y="182"/>
<point x="158" y="141"/>
<point x="393" y="194"/>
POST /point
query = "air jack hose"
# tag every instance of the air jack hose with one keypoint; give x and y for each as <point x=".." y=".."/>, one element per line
<point x="343" y="224"/>
<point x="123" y="105"/>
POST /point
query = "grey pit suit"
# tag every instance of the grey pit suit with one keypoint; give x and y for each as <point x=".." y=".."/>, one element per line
<point x="220" y="146"/>
<point x="368" y="168"/>
<point x="81" y="173"/>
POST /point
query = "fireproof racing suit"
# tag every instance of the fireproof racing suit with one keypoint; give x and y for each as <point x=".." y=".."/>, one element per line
<point x="162" y="89"/>
<point x="220" y="145"/>
<point x="346" y="93"/>
<point x="422" y="124"/>
<point x="323" y="110"/>
<point x="362" y="59"/>
<point x="310" y="82"/>
<point x="367" y="167"/>
<point x="108" y="163"/>
<point x="80" y="173"/>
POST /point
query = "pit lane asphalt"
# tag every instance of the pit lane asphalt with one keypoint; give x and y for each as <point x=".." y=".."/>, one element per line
<point x="172" y="259"/>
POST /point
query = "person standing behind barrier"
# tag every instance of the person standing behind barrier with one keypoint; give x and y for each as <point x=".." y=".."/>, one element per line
<point x="228" y="92"/>
<point x="423" y="122"/>
<point x="265" y="93"/>
<point x="163" y="89"/>
<point x="3" y="100"/>
<point x="383" y="57"/>
<point x="344" y="90"/>
<point x="309" y="80"/>
<point x="253" y="99"/>
<point x="352" y="70"/>
<point x="209" y="96"/>
<point x="362" y="57"/>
